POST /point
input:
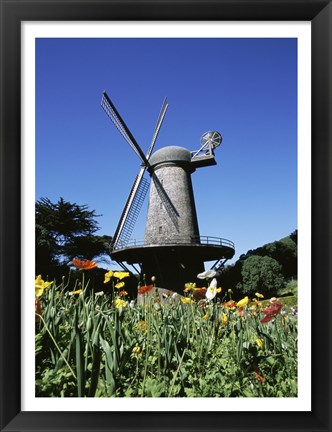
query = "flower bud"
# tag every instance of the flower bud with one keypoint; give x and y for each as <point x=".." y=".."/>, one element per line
<point x="136" y="350"/>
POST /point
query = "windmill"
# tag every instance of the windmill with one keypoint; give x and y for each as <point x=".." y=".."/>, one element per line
<point x="172" y="250"/>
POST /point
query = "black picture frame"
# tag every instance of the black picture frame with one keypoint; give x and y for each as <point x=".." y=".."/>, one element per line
<point x="12" y="13"/>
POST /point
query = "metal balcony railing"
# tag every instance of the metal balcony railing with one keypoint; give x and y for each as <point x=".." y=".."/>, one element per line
<point x="197" y="240"/>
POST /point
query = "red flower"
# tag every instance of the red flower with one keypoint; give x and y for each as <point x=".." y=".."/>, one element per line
<point x="271" y="311"/>
<point x="145" y="289"/>
<point x="84" y="265"/>
<point x="274" y="309"/>
<point x="266" y="319"/>
<point x="199" y="293"/>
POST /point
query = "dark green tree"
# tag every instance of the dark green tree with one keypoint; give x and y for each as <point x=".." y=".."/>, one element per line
<point x="66" y="230"/>
<point x="261" y="274"/>
<point x="284" y="251"/>
<point x="231" y="275"/>
<point x="88" y="247"/>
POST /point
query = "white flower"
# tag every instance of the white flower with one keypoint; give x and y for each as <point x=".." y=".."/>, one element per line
<point x="211" y="292"/>
<point x="132" y="304"/>
<point x="213" y="283"/>
<point x="207" y="274"/>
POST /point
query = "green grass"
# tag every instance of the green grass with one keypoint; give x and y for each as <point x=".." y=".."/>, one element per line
<point x="285" y="301"/>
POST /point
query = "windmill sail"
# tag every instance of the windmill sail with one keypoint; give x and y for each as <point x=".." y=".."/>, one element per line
<point x="140" y="187"/>
<point x="113" y="114"/>
<point x="157" y="128"/>
<point x="131" y="211"/>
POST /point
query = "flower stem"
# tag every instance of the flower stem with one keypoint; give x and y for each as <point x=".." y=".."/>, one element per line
<point x="57" y="346"/>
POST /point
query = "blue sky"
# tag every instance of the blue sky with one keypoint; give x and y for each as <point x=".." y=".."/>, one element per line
<point x="244" y="88"/>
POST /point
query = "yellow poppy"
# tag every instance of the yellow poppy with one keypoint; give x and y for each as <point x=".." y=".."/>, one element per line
<point x="260" y="343"/>
<point x="189" y="286"/>
<point x="119" y="285"/>
<point x="259" y="295"/>
<point x="120" y="275"/>
<point x="108" y="276"/>
<point x="75" y="292"/>
<point x="119" y="303"/>
<point x="223" y="319"/>
<point x="186" y="300"/>
<point x="41" y="285"/>
<point x="243" y="302"/>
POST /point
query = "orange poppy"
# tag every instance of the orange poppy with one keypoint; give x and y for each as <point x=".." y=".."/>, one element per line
<point x="257" y="373"/>
<point x="259" y="377"/>
<point x="145" y="289"/>
<point x="84" y="265"/>
<point x="230" y="304"/>
<point x="240" y="311"/>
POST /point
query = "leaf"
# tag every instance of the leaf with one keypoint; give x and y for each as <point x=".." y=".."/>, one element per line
<point x="109" y="366"/>
<point x="240" y="346"/>
<point x="153" y="388"/>
<point x="95" y="369"/>
<point x="79" y="363"/>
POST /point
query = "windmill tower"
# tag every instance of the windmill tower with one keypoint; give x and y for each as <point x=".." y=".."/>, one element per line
<point x="173" y="250"/>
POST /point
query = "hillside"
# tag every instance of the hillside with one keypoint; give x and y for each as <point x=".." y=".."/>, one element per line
<point x="270" y="269"/>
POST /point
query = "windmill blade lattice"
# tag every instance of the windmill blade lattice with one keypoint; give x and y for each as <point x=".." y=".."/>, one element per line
<point x="131" y="211"/>
<point x="113" y="114"/>
<point x="157" y="128"/>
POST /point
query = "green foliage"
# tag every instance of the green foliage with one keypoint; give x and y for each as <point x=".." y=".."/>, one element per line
<point x="87" y="347"/>
<point x="283" y="251"/>
<point x="65" y="220"/>
<point x="262" y="274"/>
<point x="289" y="301"/>
<point x="289" y="289"/>
<point x="65" y="230"/>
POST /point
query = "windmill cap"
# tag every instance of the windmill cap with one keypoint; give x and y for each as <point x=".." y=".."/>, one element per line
<point x="170" y="154"/>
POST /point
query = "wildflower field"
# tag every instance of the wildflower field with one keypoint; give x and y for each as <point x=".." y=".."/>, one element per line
<point x="204" y="343"/>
